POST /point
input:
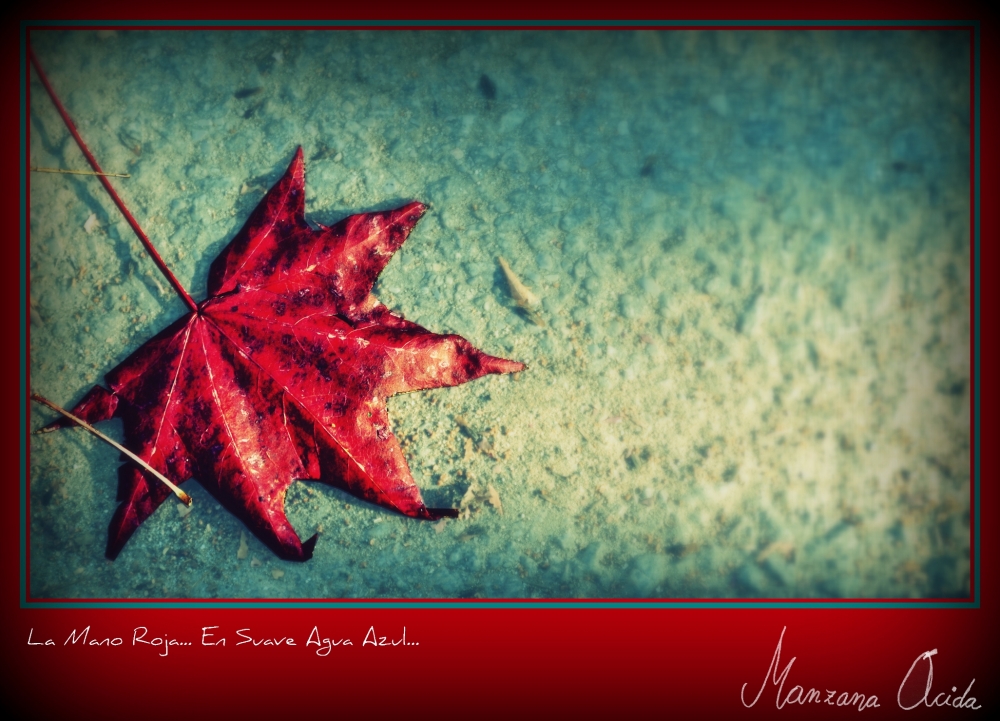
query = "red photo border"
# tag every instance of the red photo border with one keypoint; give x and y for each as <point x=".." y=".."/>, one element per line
<point x="685" y="662"/>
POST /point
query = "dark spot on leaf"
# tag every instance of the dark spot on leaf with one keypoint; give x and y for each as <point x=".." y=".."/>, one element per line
<point x="323" y="366"/>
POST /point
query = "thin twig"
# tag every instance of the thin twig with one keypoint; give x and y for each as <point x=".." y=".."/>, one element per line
<point x="185" y="296"/>
<point x="185" y="498"/>
<point x="79" y="172"/>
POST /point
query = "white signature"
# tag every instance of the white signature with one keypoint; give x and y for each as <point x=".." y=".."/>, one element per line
<point x="799" y="695"/>
<point x="956" y="702"/>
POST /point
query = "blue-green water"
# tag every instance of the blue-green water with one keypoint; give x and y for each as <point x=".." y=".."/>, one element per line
<point x="752" y="250"/>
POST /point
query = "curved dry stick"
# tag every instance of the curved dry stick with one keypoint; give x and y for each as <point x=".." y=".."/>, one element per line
<point x="185" y="498"/>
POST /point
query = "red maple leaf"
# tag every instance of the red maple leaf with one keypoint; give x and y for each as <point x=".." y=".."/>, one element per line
<point x="282" y="374"/>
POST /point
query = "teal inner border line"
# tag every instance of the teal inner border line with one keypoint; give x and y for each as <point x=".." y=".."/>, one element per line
<point x="22" y="278"/>
<point x="599" y="24"/>
<point x="974" y="25"/>
<point x="418" y="604"/>
<point x="976" y="314"/>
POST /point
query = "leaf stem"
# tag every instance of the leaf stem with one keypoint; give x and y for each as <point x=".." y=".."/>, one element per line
<point x="185" y="296"/>
<point x="185" y="498"/>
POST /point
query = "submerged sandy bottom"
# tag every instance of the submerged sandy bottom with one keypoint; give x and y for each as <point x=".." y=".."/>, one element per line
<point x="752" y="250"/>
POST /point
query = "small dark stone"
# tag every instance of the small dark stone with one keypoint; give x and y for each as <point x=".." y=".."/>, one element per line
<point x="252" y="110"/>
<point x="956" y="388"/>
<point x="676" y="549"/>
<point x="486" y="87"/>
<point x="673" y="240"/>
<point x="324" y="152"/>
